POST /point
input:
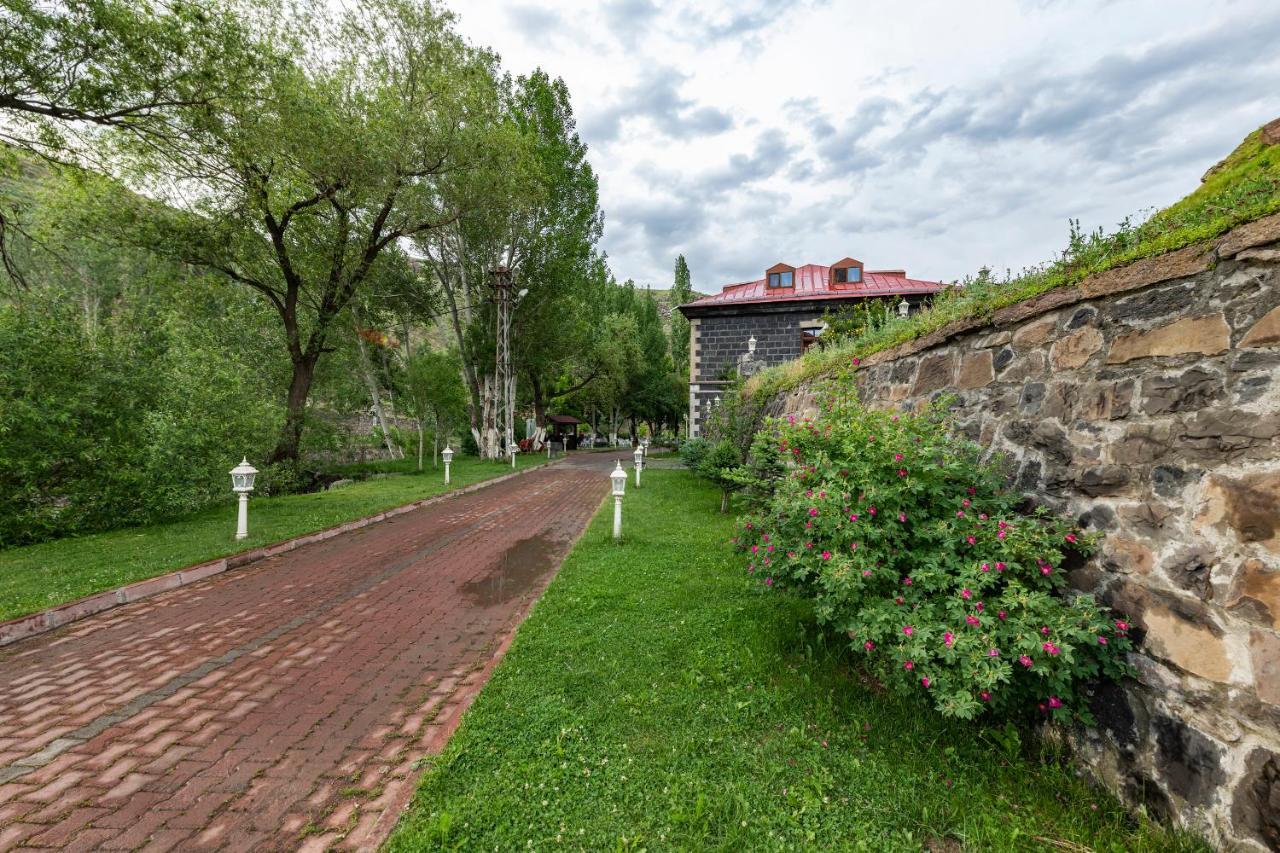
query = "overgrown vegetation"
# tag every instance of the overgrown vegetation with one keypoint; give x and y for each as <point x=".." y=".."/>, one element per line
<point x="655" y="700"/>
<point x="911" y="546"/>
<point x="1243" y="187"/>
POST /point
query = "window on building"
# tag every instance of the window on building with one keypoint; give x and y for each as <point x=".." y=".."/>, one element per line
<point x="781" y="279"/>
<point x="848" y="275"/>
<point x="809" y="336"/>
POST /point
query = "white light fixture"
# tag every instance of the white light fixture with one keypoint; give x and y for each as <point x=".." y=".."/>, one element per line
<point x="242" y="484"/>
<point x="638" y="456"/>
<point x="751" y="344"/>
<point x="904" y="307"/>
<point x="514" y="450"/>
<point x="619" y="480"/>
<point x="447" y="453"/>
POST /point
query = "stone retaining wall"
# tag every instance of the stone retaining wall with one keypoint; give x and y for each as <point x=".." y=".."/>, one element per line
<point x="1146" y="403"/>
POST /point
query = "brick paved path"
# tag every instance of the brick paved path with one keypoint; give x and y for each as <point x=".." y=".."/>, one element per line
<point x="283" y="705"/>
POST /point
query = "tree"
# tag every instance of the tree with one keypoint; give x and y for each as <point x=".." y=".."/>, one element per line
<point x="436" y="394"/>
<point x="681" y="294"/>
<point x="304" y="191"/>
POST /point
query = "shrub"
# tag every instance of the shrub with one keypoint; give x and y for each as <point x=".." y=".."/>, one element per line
<point x="720" y="465"/>
<point x="693" y="451"/>
<point x="908" y="542"/>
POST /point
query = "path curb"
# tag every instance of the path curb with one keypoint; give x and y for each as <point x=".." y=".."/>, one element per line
<point x="44" y="621"/>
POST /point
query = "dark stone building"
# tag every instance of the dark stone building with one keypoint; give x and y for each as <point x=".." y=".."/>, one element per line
<point x="774" y="319"/>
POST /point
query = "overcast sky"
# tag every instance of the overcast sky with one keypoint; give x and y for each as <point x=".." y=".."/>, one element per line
<point x="931" y="136"/>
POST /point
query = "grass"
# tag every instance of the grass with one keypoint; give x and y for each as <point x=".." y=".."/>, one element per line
<point x="656" y="700"/>
<point x="1243" y="187"/>
<point x="35" y="577"/>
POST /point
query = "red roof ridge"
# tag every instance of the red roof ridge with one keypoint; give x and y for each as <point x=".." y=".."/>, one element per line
<point x="813" y="282"/>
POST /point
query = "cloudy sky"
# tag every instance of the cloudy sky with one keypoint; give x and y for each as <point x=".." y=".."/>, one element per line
<point x="935" y="136"/>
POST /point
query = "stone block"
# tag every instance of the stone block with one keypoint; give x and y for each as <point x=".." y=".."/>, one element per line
<point x="1171" y="265"/>
<point x="1207" y="335"/>
<point x="1102" y="480"/>
<point x="1106" y="401"/>
<point x="1189" y="761"/>
<point x="1264" y="654"/>
<point x="936" y="373"/>
<point x="1188" y="645"/>
<point x="1074" y="350"/>
<point x="1035" y="334"/>
<point x="1255" y="591"/>
<point x="976" y="371"/>
<point x="1218" y="435"/>
<point x="1121" y="554"/>
<point x="1264" y="333"/>
<point x="1182" y="392"/>
<point x="1255" y="805"/>
<point x="995" y="339"/>
<point x="1249" y="506"/>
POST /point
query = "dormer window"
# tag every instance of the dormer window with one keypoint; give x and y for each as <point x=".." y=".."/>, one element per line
<point x="785" y="278"/>
<point x="848" y="275"/>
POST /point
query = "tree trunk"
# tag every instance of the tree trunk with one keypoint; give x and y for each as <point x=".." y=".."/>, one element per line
<point x="724" y="500"/>
<point x="295" y="410"/>
<point x="371" y="384"/>
<point x="421" y="440"/>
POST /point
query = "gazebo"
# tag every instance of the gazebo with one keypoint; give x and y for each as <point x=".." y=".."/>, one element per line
<point x="563" y="429"/>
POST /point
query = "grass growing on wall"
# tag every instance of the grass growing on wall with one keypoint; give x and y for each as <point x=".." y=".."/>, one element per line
<point x="1243" y="187"/>
<point x="35" y="577"/>
<point x="655" y="700"/>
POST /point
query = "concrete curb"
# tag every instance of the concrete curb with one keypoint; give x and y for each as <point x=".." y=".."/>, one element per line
<point x="55" y="617"/>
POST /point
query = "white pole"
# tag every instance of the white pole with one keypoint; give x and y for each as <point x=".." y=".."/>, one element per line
<point x="638" y="467"/>
<point x="242" y="517"/>
<point x="446" y="473"/>
<point x="617" y="517"/>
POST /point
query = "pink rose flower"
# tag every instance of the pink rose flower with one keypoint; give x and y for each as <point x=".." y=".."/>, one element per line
<point x="906" y="664"/>
<point x="908" y="630"/>
<point x="924" y="682"/>
<point x="1025" y="661"/>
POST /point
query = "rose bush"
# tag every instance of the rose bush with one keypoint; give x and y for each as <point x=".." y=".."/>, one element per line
<point x="910" y="544"/>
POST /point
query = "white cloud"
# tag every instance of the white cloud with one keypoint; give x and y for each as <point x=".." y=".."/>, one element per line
<point x="932" y="136"/>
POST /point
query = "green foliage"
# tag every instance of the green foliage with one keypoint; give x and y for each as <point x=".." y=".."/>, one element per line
<point x="1243" y="187"/>
<point x="908" y="543"/>
<point x="681" y="293"/>
<point x="651" y="701"/>
<point x="693" y="451"/>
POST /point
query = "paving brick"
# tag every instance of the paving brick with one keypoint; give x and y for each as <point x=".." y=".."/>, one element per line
<point x="262" y="692"/>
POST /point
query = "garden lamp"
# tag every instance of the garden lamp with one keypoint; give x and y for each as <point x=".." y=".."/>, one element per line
<point x="638" y="456"/>
<point x="242" y="484"/>
<point x="447" y="453"/>
<point x="619" y="480"/>
<point x="904" y="307"/>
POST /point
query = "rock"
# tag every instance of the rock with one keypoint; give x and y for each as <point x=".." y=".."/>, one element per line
<point x="1167" y="480"/>
<point x="976" y="371"/>
<point x="1189" y="762"/>
<point x="1248" y="506"/>
<point x="1187" y="645"/>
<point x="1264" y="333"/>
<point x="1147" y="518"/>
<point x="1074" y="350"/>
<point x="1144" y="443"/>
<point x="936" y="372"/>
<point x="1256" y="805"/>
<point x="1267" y="256"/>
<point x="1102" y="480"/>
<point x="1182" y="392"/>
<point x="339" y="484"/>
<point x="1125" y="555"/>
<point x="1103" y="401"/>
<point x="996" y="339"/>
<point x="1217" y="435"/>
<point x="1003" y="358"/>
<point x="1271" y="132"/>
<point x="1251" y="388"/>
<point x="1034" y="334"/>
<point x="1207" y="335"/>
<point x="1191" y="569"/>
<point x="1264" y="652"/>
<point x="1256" y="590"/>
<point x="1032" y="397"/>
<point x="1085" y="316"/>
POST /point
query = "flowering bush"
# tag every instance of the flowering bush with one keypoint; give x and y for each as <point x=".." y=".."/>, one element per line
<point x="910" y="544"/>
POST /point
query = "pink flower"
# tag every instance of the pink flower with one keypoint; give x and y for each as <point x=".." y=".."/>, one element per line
<point x="971" y="540"/>
<point x="826" y="555"/>
<point x="979" y="607"/>
<point x="853" y="516"/>
<point x="1102" y="641"/>
<point x="902" y="516"/>
<point x="959" y="513"/>
<point x="866" y="573"/>
<point x="1046" y="570"/>
<point x="813" y="512"/>
<point x="856" y="361"/>
<point x="871" y="510"/>
<point x="894" y="419"/>
<point x="755" y="549"/>
<point x="972" y="620"/>
<point x="769" y="549"/>
<point x="982" y="516"/>
<point x="768" y="581"/>
<point x="906" y="581"/>
<point x="966" y="594"/>
<point x="1001" y="615"/>
<point x="764" y="538"/>
<point x="902" y="472"/>
<point x="986" y="567"/>
<point x="868" y="645"/>
<point x="1122" y="625"/>
<point x="1055" y="702"/>
<point x="906" y="664"/>
<point x="1000" y="567"/>
<point x="1000" y="535"/>
<point x="898" y="601"/>
<point x="1045" y="630"/>
<point x="948" y="638"/>
<point x="897" y="457"/>
<point x="791" y="419"/>
<point x="965" y="503"/>
<point x="1050" y="648"/>
<point x="984" y="696"/>
<point x="1025" y="661"/>
<point x="908" y="630"/>
<point x="808" y="545"/>
<point x="993" y="653"/>
<point x="924" y="682"/>
<point x="971" y="490"/>
<point x="1071" y="537"/>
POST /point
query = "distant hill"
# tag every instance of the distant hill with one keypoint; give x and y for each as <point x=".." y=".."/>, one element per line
<point x="664" y="303"/>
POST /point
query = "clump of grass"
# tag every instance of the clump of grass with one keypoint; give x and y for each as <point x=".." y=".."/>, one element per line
<point x="1243" y="187"/>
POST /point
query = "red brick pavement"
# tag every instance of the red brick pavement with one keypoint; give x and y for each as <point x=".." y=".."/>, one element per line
<point x="285" y="705"/>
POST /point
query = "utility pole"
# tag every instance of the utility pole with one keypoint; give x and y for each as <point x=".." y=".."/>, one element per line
<point x="504" y="382"/>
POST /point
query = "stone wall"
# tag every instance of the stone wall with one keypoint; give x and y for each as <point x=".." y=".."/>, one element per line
<point x="1146" y="403"/>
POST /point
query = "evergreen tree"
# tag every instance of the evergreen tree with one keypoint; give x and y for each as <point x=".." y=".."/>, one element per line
<point x="681" y="293"/>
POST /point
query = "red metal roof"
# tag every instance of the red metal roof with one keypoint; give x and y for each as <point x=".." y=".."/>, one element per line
<point x="813" y="281"/>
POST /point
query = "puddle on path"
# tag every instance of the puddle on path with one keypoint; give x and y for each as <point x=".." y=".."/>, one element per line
<point x="517" y="571"/>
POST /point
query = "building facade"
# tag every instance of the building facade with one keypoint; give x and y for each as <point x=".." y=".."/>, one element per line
<point x="748" y="326"/>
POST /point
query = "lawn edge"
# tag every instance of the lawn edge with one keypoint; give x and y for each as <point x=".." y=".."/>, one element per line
<point x="43" y="621"/>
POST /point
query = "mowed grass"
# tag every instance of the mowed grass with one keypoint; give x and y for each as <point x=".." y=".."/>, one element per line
<point x="36" y="577"/>
<point x="656" y="700"/>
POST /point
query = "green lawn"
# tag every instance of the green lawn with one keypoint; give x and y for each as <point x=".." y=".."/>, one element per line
<point x="35" y="577"/>
<point x="656" y="700"/>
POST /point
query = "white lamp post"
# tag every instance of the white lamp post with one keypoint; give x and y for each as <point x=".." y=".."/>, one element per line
<point x="514" y="450"/>
<point x="638" y="456"/>
<point x="242" y="484"/>
<point x="619" y="478"/>
<point x="447" y="453"/>
<point x="904" y="307"/>
<point x="751" y="344"/>
<point x="645" y="445"/>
